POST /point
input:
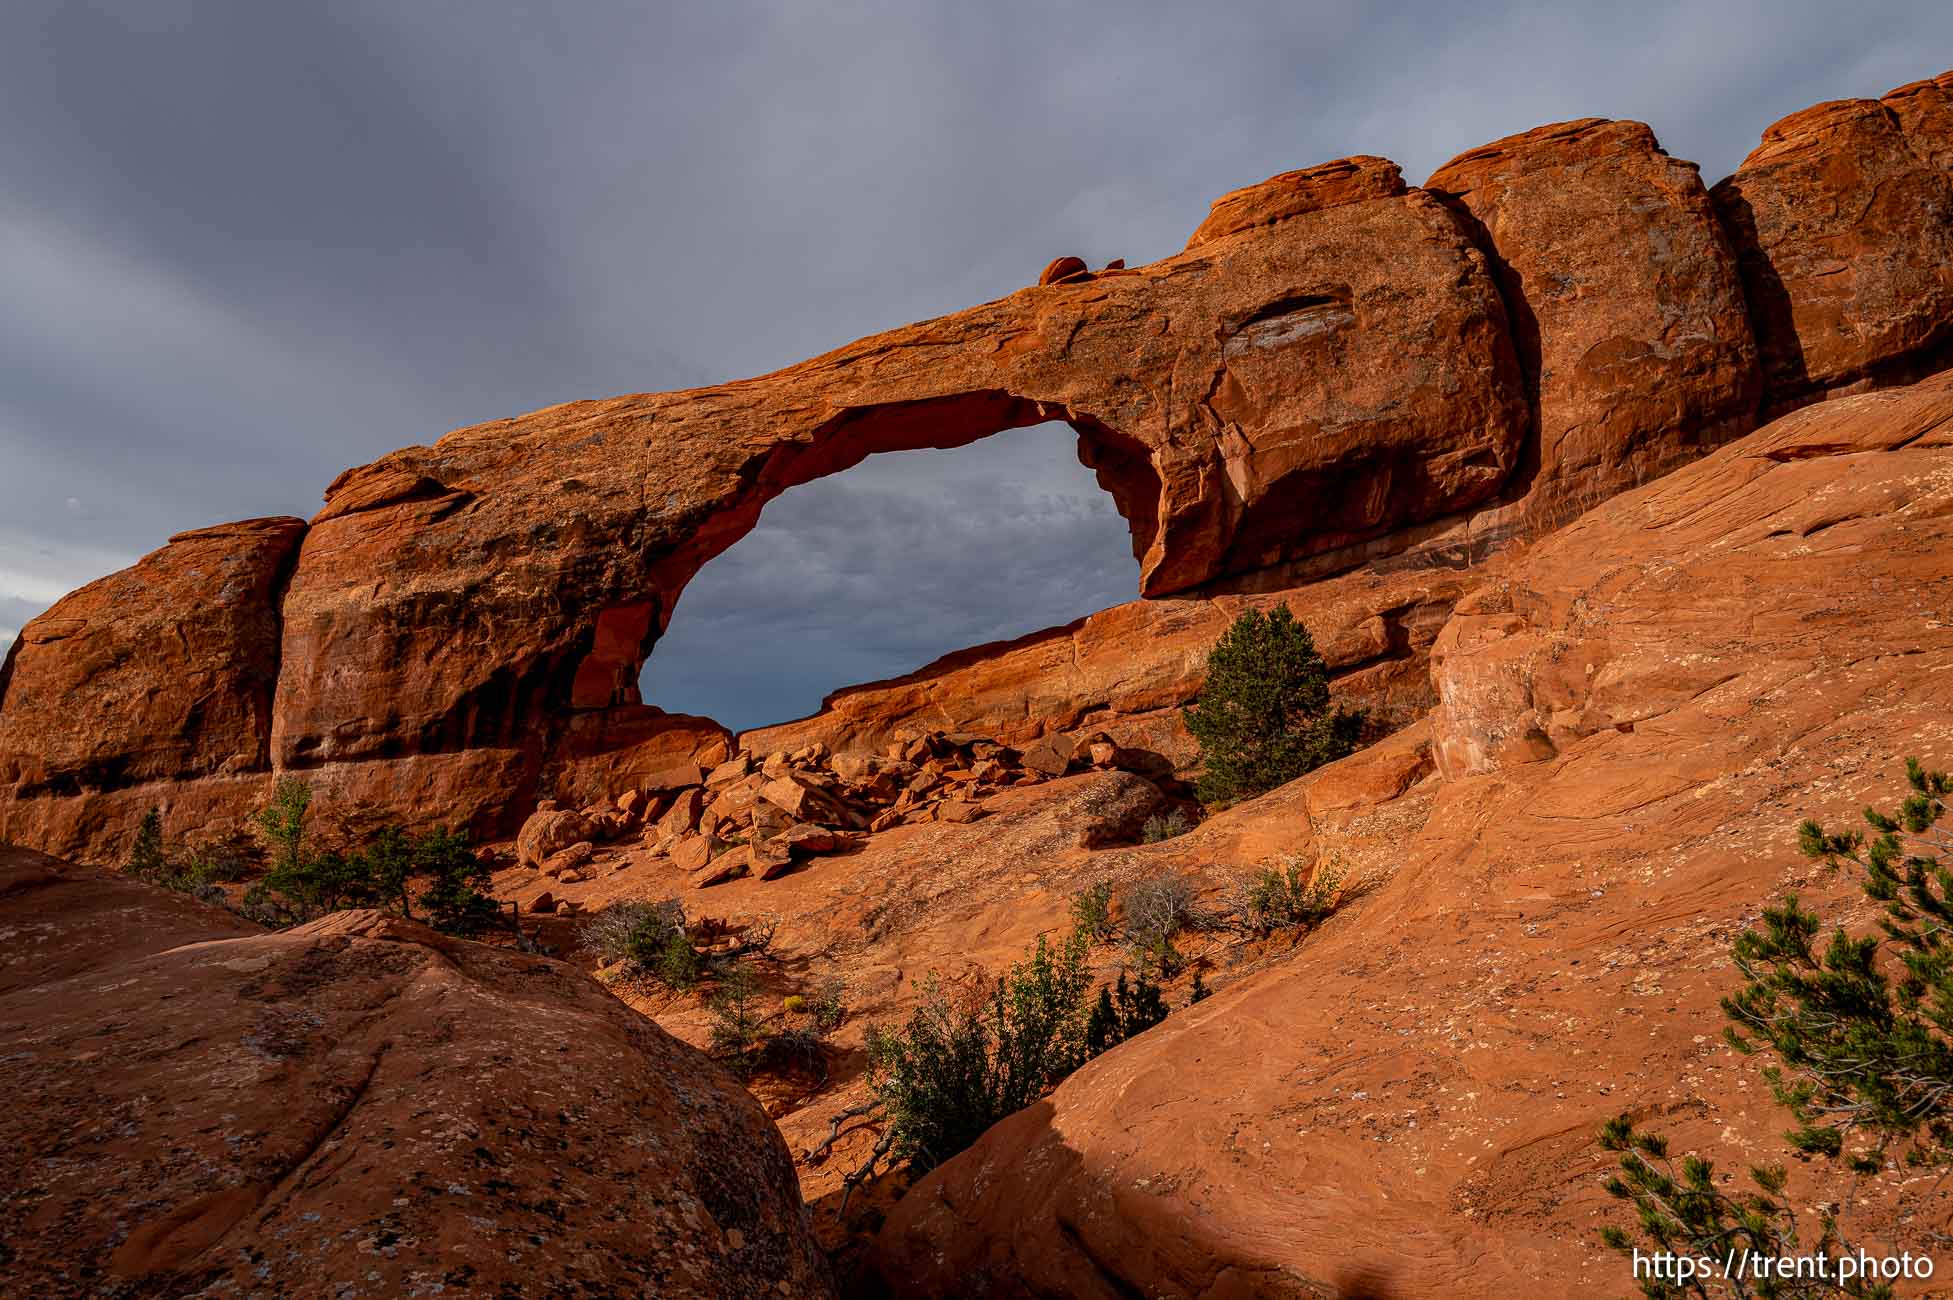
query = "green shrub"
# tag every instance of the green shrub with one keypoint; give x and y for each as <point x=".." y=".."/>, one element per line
<point x="828" y="1006"/>
<point x="1122" y="1011"/>
<point x="1264" y="715"/>
<point x="303" y="883"/>
<point x="952" y="1072"/>
<point x="1862" y="1033"/>
<point x="1680" y="1211"/>
<point x="1198" y="992"/>
<point x="738" y="1025"/>
<point x="1289" y="897"/>
<point x="147" y="860"/>
<point x="1865" y="1036"/>
<point x="1159" y="829"/>
<point x="1091" y="912"/>
<point x="456" y="897"/>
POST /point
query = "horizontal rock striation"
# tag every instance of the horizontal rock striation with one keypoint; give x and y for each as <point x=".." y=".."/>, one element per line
<point x="1339" y="372"/>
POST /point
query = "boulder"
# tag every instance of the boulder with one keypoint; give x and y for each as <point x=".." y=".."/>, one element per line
<point x="542" y="904"/>
<point x="1049" y="755"/>
<point x="548" y="831"/>
<point x="358" y="1099"/>
<point x="567" y="860"/>
<point x="693" y="852"/>
<point x="804" y="801"/>
<point x="1061" y="269"/>
<point x="1924" y="110"/>
<point x="729" y="865"/>
<point x="682" y="817"/>
<point x="1844" y="236"/>
<point x="1297" y="194"/>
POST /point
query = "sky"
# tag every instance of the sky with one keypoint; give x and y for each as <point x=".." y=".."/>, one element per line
<point x="245" y="245"/>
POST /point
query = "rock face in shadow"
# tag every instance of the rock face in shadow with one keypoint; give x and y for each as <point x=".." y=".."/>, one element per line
<point x="1844" y="234"/>
<point x="1339" y="372"/>
<point x="1625" y="302"/>
<point x="1411" y="1095"/>
<point x="197" y="1106"/>
<point x="157" y="675"/>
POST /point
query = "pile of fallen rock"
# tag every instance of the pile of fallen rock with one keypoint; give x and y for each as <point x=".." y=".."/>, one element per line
<point x="753" y="816"/>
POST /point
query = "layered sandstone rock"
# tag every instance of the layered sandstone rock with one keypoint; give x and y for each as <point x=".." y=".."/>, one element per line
<point x="1348" y="366"/>
<point x="1626" y="307"/>
<point x="1407" y="1104"/>
<point x="162" y="673"/>
<point x="1925" y="113"/>
<point x="198" y="1106"/>
<point x="1845" y="494"/>
<point x="1325" y="379"/>
<point x="1298" y="193"/>
<point x="1127" y="669"/>
<point x="1844" y="233"/>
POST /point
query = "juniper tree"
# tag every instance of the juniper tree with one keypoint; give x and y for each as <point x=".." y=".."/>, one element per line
<point x="1264" y="715"/>
<point x="1863" y="1030"/>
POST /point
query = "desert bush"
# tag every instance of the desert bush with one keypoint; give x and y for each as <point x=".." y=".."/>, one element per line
<point x="1128" y="1008"/>
<point x="1861" y="1032"/>
<point x="952" y="1072"/>
<point x="1153" y="913"/>
<point x="304" y="882"/>
<point x="1159" y="829"/>
<point x="147" y="860"/>
<point x="1680" y="1211"/>
<point x="1289" y="896"/>
<point x="1198" y="990"/>
<point x="1091" y="912"/>
<point x="828" y="1006"/>
<point x="1264" y="714"/>
<point x="738" y="1024"/>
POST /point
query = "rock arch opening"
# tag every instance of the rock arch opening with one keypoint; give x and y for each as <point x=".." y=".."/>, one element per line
<point x="876" y="572"/>
<point x="1023" y="517"/>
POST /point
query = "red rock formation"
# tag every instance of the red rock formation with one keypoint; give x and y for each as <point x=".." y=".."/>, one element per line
<point x="1298" y="193"/>
<point x="1626" y="306"/>
<point x="459" y="599"/>
<point x="1406" y="1105"/>
<point x="1128" y="669"/>
<point x="1325" y="378"/>
<point x="198" y="1105"/>
<point x="161" y="673"/>
<point x="1845" y="239"/>
<point x="1925" y="113"/>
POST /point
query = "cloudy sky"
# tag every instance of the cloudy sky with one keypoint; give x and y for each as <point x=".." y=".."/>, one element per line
<point x="244" y="245"/>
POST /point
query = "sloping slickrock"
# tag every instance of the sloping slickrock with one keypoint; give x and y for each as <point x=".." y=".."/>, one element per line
<point x="161" y="672"/>
<point x="1627" y="310"/>
<point x="1525" y="669"/>
<point x="358" y="1106"/>
<point x="1348" y="367"/>
<point x="1844" y="235"/>
<point x="1406" y="1106"/>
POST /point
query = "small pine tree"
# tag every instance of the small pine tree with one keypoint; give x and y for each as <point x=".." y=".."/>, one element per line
<point x="1264" y="716"/>
<point x="147" y="860"/>
<point x="1864" y="1039"/>
<point x="456" y="898"/>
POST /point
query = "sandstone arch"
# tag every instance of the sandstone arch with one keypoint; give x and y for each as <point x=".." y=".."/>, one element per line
<point x="1338" y="369"/>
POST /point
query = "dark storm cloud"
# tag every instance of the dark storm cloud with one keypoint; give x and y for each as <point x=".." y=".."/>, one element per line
<point x="244" y="245"/>
<point x="875" y="572"/>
